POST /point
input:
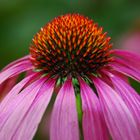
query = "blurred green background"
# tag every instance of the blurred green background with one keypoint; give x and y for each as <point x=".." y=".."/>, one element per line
<point x="21" y="19"/>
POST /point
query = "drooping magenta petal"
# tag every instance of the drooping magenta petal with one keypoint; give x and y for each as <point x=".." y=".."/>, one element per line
<point x="64" y="120"/>
<point x="16" y="62"/>
<point x="119" y="119"/>
<point x="129" y="95"/>
<point x="114" y="74"/>
<point x="128" y="64"/>
<point x="12" y="117"/>
<point x="14" y="70"/>
<point x="29" y="72"/>
<point x="31" y="120"/>
<point x="6" y="86"/>
<point x="15" y="91"/>
<point x="130" y="57"/>
<point x="94" y="127"/>
<point x="133" y="73"/>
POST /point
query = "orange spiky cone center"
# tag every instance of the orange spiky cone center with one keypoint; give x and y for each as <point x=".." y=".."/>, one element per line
<point x="70" y="44"/>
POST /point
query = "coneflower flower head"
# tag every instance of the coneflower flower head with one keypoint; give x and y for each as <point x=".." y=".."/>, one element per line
<point x="70" y="44"/>
<point x="70" y="57"/>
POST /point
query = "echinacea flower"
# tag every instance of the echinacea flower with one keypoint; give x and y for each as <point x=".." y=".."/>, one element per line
<point x="71" y="57"/>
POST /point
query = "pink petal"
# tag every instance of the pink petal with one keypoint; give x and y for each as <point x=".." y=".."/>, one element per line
<point x="6" y="86"/>
<point x="129" y="57"/>
<point x="64" y="120"/>
<point x="119" y="119"/>
<point x="133" y="73"/>
<point x="14" y="70"/>
<point x="108" y="81"/>
<point x="94" y="127"/>
<point x="130" y="97"/>
<point x="31" y="120"/>
<point x="15" y="91"/>
<point x="128" y="64"/>
<point x="17" y="109"/>
<point x="29" y="72"/>
<point x="17" y="62"/>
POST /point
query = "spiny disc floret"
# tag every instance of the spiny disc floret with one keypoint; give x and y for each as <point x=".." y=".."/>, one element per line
<point x="70" y="44"/>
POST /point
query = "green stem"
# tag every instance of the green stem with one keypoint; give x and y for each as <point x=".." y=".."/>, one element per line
<point x="80" y="114"/>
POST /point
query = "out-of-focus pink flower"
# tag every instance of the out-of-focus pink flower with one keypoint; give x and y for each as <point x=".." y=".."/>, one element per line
<point x="131" y="42"/>
<point x="71" y="56"/>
